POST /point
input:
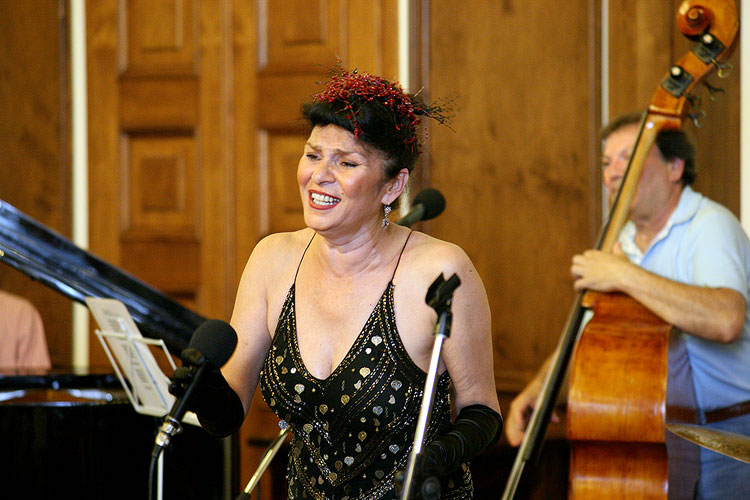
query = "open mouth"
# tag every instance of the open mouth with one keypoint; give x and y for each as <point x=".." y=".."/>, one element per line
<point x="323" y="200"/>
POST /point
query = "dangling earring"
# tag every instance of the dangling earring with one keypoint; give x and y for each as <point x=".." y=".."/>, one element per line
<point x="386" y="211"/>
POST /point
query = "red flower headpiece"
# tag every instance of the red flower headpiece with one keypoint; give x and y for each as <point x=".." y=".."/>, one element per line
<point x="354" y="89"/>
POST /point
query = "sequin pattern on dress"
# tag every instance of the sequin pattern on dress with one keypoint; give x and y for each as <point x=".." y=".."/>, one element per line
<point x="353" y="431"/>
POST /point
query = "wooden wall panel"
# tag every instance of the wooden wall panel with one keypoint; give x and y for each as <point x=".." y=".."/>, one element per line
<point x="283" y="190"/>
<point x="34" y="139"/>
<point x="171" y="265"/>
<point x="718" y="142"/>
<point x="372" y="24"/>
<point x="161" y="146"/>
<point x="159" y="35"/>
<point x="161" y="180"/>
<point x="283" y="95"/>
<point x="640" y="52"/>
<point x="156" y="103"/>
<point x="518" y="168"/>
<point x="300" y="35"/>
<point x="245" y="152"/>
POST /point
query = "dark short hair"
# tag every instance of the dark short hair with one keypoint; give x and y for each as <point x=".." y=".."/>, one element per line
<point x="672" y="143"/>
<point x="376" y="111"/>
<point x="377" y="127"/>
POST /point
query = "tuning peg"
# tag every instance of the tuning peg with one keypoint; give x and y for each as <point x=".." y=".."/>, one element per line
<point x="695" y="101"/>
<point x="725" y="69"/>
<point x="713" y="92"/>
<point x="699" y="118"/>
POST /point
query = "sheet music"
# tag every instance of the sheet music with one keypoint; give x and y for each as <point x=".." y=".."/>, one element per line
<point x="148" y="385"/>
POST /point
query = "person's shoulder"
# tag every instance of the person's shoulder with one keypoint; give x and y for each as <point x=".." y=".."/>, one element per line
<point x="424" y="243"/>
<point x="427" y="259"/>
<point x="713" y="215"/>
<point x="18" y="307"/>
<point x="15" y="301"/>
<point x="427" y="253"/>
<point x="713" y="225"/>
<point x="696" y="207"/>
<point x="273" y="260"/>
<point x="712" y="208"/>
<point x="277" y="246"/>
<point x="277" y="250"/>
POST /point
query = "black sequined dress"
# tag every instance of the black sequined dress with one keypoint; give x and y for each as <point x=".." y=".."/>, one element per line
<point x="353" y="431"/>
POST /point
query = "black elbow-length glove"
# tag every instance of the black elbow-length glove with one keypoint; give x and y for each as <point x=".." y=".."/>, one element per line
<point x="476" y="428"/>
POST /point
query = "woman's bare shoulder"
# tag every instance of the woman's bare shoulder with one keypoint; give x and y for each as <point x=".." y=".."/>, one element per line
<point x="425" y="258"/>
<point x="276" y="248"/>
<point x="426" y="252"/>
<point x="274" y="256"/>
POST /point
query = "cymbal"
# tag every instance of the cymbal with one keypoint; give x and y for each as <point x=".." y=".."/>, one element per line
<point x="727" y="443"/>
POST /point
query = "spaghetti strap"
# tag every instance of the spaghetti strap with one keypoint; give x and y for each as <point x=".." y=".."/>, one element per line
<point x="400" y="254"/>
<point x="303" y="256"/>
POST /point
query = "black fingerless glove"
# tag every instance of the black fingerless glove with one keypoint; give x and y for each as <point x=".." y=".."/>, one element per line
<point x="217" y="406"/>
<point x="476" y="428"/>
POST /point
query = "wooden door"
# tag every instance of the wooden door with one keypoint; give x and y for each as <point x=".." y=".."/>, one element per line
<point x="160" y="146"/>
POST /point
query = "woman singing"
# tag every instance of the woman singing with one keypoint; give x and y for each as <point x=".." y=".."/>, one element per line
<point x="332" y="320"/>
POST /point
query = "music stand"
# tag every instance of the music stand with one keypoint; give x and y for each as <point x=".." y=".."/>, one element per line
<point x="146" y="385"/>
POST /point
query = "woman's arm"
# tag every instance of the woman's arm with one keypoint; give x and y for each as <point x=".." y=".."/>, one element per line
<point x="254" y="305"/>
<point x="468" y="357"/>
<point x="468" y="352"/>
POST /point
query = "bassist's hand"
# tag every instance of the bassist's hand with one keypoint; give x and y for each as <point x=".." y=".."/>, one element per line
<point x="522" y="407"/>
<point x="518" y="417"/>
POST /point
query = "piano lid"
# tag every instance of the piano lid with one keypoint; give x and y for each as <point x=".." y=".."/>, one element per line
<point x="46" y="256"/>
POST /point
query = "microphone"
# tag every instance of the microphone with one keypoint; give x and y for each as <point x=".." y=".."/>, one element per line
<point x="210" y="346"/>
<point x="427" y="204"/>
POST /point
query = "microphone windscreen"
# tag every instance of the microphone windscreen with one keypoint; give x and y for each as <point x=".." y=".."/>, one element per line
<point x="432" y="200"/>
<point x="216" y="340"/>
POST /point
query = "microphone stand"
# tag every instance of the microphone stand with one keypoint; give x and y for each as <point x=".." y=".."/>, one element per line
<point x="156" y="477"/>
<point x="265" y="461"/>
<point x="439" y="297"/>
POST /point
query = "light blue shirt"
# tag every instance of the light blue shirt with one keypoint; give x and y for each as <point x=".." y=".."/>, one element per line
<point x="703" y="244"/>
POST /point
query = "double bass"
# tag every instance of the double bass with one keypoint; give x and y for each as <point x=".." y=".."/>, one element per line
<point x="617" y="428"/>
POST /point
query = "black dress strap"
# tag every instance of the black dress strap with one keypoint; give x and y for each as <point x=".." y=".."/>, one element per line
<point x="303" y="256"/>
<point x="400" y="254"/>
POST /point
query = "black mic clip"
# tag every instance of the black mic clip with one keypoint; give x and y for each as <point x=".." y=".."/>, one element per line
<point x="440" y="297"/>
<point x="440" y="294"/>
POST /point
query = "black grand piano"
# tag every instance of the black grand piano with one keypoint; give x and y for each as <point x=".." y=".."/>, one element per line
<point x="77" y="436"/>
